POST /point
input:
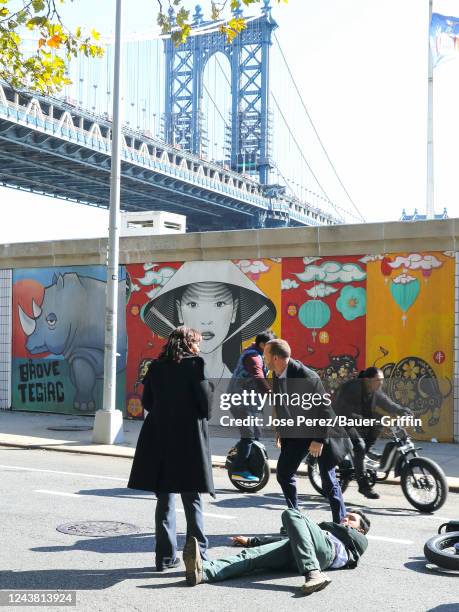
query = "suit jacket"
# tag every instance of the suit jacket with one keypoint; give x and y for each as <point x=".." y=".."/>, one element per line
<point x="301" y="380"/>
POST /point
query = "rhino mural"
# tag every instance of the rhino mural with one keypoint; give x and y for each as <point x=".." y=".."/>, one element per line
<point x="70" y="322"/>
<point x="412" y="382"/>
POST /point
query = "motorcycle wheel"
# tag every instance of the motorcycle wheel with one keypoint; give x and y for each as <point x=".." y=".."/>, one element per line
<point x="316" y="480"/>
<point x="252" y="487"/>
<point x="439" y="550"/>
<point x="427" y="490"/>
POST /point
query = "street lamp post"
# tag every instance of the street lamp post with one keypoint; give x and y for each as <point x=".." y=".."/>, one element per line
<point x="108" y="423"/>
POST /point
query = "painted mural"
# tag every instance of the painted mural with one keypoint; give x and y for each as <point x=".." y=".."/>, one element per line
<point x="410" y="334"/>
<point x="339" y="314"/>
<point x="58" y="339"/>
<point x="228" y="302"/>
<point x="324" y="308"/>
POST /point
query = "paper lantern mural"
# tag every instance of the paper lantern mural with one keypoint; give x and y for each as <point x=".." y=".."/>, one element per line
<point x="292" y="310"/>
<point x="386" y="269"/>
<point x="426" y="273"/>
<point x="405" y="289"/>
<point x="314" y="314"/>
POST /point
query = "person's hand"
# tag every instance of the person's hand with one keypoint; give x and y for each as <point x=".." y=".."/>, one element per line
<point x="277" y="441"/>
<point x="315" y="449"/>
<point x="240" y="540"/>
<point x="406" y="412"/>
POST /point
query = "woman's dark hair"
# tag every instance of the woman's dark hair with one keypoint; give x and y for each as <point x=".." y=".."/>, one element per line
<point x="232" y="348"/>
<point x="179" y="343"/>
<point x="370" y="372"/>
<point x="264" y="337"/>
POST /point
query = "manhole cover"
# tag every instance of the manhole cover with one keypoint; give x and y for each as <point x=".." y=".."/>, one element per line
<point x="97" y="529"/>
<point x="70" y="428"/>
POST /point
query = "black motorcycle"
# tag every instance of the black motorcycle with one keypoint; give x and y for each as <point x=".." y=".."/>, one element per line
<point x="257" y="464"/>
<point x="423" y="482"/>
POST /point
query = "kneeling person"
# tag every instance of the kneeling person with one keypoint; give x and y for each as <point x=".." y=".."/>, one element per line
<point x="308" y="548"/>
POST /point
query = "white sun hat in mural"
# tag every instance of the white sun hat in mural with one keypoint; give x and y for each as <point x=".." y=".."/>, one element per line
<point x="256" y="311"/>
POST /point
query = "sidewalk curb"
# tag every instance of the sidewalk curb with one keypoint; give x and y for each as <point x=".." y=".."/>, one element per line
<point x="218" y="461"/>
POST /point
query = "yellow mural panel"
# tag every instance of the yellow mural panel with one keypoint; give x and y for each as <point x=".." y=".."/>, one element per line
<point x="410" y="334"/>
<point x="267" y="275"/>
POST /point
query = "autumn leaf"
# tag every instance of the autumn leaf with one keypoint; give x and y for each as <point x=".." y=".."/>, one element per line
<point x="54" y="42"/>
<point x="41" y="42"/>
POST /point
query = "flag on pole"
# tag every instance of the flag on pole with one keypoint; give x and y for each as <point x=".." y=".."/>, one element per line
<point x="444" y="38"/>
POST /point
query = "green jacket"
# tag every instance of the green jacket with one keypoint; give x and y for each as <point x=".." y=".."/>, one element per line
<point x="354" y="541"/>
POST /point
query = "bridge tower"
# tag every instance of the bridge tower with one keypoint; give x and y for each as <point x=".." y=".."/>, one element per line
<point x="248" y="56"/>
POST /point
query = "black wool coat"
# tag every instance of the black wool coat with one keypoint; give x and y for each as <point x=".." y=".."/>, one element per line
<point x="173" y="450"/>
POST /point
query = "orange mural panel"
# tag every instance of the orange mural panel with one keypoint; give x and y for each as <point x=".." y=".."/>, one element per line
<point x="410" y="334"/>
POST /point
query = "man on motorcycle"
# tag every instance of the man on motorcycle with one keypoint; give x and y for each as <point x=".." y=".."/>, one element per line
<point x="356" y="399"/>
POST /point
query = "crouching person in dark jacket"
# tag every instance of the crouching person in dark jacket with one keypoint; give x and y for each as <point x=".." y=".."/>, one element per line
<point x="308" y="548"/>
<point x="173" y="452"/>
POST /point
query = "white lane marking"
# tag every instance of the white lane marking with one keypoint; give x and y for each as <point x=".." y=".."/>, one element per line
<point x="220" y="516"/>
<point x="394" y="540"/>
<point x="57" y="493"/>
<point x="27" y="469"/>
<point x="81" y="496"/>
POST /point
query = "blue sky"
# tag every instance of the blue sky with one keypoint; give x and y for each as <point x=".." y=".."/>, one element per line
<point x="361" y="66"/>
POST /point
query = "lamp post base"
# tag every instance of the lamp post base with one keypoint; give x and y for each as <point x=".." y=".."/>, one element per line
<point x="108" y="427"/>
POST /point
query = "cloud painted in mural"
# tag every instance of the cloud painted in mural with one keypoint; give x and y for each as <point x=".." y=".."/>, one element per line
<point x="332" y="272"/>
<point x="416" y="261"/>
<point x="321" y="290"/>
<point x="289" y="283"/>
<point x="157" y="277"/>
<point x="252" y="267"/>
<point x="309" y="260"/>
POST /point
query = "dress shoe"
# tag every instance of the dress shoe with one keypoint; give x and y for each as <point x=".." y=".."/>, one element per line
<point x="193" y="562"/>
<point x="315" y="581"/>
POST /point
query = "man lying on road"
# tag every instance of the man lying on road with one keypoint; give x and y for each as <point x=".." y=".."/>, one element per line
<point x="307" y="548"/>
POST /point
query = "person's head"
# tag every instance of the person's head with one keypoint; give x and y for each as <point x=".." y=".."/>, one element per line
<point x="373" y="378"/>
<point x="263" y="337"/>
<point x="357" y="520"/>
<point x="211" y="309"/>
<point x="181" y="342"/>
<point x="276" y="355"/>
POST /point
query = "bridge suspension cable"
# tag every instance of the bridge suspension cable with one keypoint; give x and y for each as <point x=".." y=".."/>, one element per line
<point x="319" y="140"/>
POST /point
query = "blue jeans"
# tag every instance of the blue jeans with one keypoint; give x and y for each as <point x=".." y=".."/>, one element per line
<point x="165" y="524"/>
<point x="293" y="451"/>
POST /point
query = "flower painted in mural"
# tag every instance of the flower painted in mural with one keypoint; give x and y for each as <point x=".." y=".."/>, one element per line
<point x="410" y="369"/>
<point x="352" y="302"/>
<point x="405" y="392"/>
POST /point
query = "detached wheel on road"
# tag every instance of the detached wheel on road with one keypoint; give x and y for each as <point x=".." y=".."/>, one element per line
<point x="252" y="487"/>
<point x="316" y="480"/>
<point x="441" y="550"/>
<point x="424" y="484"/>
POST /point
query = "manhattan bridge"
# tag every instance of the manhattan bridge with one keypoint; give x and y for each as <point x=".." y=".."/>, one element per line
<point x="214" y="130"/>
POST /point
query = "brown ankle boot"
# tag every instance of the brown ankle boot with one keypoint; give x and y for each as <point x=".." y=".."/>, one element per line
<point x="315" y="581"/>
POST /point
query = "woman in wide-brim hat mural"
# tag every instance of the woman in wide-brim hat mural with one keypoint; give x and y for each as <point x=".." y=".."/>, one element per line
<point x="220" y="302"/>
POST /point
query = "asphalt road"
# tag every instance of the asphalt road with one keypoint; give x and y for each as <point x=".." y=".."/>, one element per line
<point x="42" y="489"/>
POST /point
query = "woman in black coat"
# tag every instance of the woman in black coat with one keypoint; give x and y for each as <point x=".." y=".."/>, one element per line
<point x="173" y="452"/>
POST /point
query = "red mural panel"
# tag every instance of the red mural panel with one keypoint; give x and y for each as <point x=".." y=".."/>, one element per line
<point x="323" y="313"/>
<point x="144" y="280"/>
